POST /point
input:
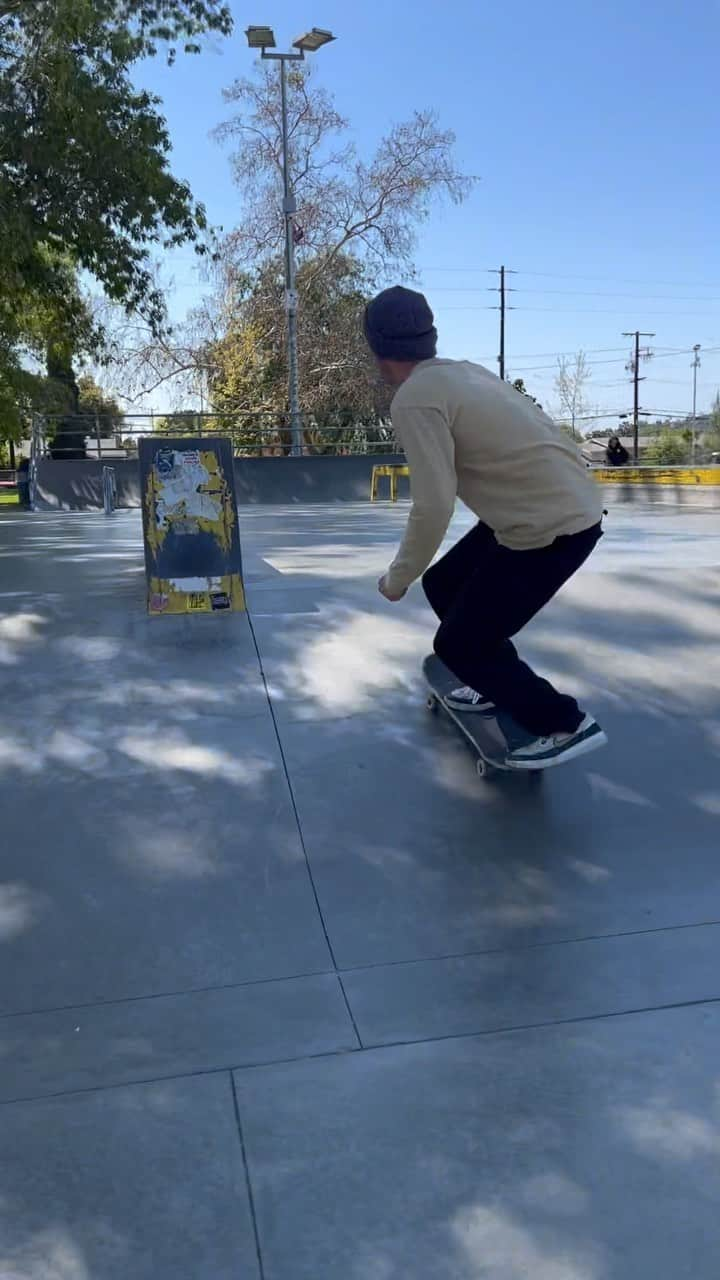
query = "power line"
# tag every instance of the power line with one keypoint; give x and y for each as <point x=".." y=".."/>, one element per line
<point x="617" y="382"/>
<point x="668" y="284"/>
<point x="580" y="311"/>
<point x="660" y="353"/>
<point x="538" y="368"/>
<point x="675" y="382"/>
<point x="537" y="355"/>
<point x="578" y="293"/>
<point x="556" y="275"/>
<point x="657" y="355"/>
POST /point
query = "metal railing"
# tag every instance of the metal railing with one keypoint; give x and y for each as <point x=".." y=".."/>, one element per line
<point x="252" y="434"/>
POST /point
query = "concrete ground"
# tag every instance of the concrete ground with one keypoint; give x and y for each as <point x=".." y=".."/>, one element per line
<point x="286" y="991"/>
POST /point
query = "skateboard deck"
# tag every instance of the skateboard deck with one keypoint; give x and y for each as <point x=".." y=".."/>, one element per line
<point x="491" y="739"/>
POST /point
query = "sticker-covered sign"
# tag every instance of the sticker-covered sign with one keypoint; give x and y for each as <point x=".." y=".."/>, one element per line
<point x="190" y="526"/>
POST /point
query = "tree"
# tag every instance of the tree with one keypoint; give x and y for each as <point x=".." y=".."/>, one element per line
<point x="570" y="381"/>
<point x="711" y="438"/>
<point x="106" y="414"/>
<point x="44" y="319"/>
<point x="339" y="386"/>
<point x="355" y="224"/>
<point x="85" y="154"/>
<point x="344" y="204"/>
<point x="88" y="411"/>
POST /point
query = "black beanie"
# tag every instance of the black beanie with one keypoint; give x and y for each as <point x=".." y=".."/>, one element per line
<point x="399" y="325"/>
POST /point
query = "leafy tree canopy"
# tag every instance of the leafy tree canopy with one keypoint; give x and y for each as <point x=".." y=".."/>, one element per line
<point x="85" y="154"/>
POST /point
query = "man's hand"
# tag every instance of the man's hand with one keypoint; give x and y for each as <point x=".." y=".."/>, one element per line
<point x="393" y="596"/>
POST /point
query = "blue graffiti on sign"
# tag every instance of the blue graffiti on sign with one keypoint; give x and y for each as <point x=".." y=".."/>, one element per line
<point x="165" y="462"/>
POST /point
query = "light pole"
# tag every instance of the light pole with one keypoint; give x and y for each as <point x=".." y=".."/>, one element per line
<point x="263" y="38"/>
<point x="695" y="367"/>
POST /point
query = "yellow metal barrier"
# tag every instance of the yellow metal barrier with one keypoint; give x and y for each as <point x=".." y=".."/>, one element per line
<point x="657" y="475"/>
<point x="392" y="470"/>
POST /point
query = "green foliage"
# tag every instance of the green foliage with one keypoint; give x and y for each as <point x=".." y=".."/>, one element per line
<point x="670" y="449"/>
<point x="103" y="409"/>
<point x="43" y="317"/>
<point x="84" y="180"/>
<point x="184" y="423"/>
<point x="85" y="154"/>
<point x="711" y="438"/>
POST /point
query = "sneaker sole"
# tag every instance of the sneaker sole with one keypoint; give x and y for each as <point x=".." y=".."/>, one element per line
<point x="582" y="748"/>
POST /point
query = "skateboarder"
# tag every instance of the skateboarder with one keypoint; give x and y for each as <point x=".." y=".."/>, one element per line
<point x="468" y="434"/>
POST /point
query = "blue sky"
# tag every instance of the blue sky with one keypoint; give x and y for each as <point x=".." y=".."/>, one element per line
<point x="594" y="129"/>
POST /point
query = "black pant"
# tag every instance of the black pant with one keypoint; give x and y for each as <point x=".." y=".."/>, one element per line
<point x="483" y="594"/>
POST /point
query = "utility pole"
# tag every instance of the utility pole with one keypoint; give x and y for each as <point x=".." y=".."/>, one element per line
<point x="501" y="358"/>
<point x="695" y="366"/>
<point x="503" y="291"/>
<point x="634" y="367"/>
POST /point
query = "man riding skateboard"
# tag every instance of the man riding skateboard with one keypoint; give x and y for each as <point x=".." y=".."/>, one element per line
<point x="468" y="434"/>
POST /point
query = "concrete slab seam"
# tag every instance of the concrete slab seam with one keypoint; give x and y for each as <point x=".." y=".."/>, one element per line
<point x="301" y="837"/>
<point x="358" y="968"/>
<point x="248" y="1180"/>
<point x="379" y="1046"/>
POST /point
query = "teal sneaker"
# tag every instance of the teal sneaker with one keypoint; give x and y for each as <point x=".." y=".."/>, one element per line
<point x="545" y="753"/>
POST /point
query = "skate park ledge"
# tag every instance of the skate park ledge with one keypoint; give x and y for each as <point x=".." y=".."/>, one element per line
<point x="77" y="485"/>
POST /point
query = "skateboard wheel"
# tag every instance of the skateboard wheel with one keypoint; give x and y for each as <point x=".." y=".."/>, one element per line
<point x="484" y="770"/>
<point x="432" y="702"/>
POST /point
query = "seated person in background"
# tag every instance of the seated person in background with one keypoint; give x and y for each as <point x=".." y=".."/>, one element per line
<point x="616" y="453"/>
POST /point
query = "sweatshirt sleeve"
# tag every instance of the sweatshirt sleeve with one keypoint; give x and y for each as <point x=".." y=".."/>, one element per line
<point x="430" y="450"/>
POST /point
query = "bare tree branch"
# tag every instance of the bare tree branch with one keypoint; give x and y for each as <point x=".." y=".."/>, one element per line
<point x="570" y="381"/>
<point x="344" y="204"/>
<point x="355" y="225"/>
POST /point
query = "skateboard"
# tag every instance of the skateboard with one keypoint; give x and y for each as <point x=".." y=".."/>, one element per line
<point x="491" y="739"/>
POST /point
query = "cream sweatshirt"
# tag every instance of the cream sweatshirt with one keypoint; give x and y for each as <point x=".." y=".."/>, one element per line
<point x="468" y="435"/>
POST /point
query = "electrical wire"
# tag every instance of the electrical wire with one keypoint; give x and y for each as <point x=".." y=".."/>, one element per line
<point x="573" y="293"/>
<point x="538" y="368"/>
<point x="580" y="311"/>
<point x="557" y="275"/>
